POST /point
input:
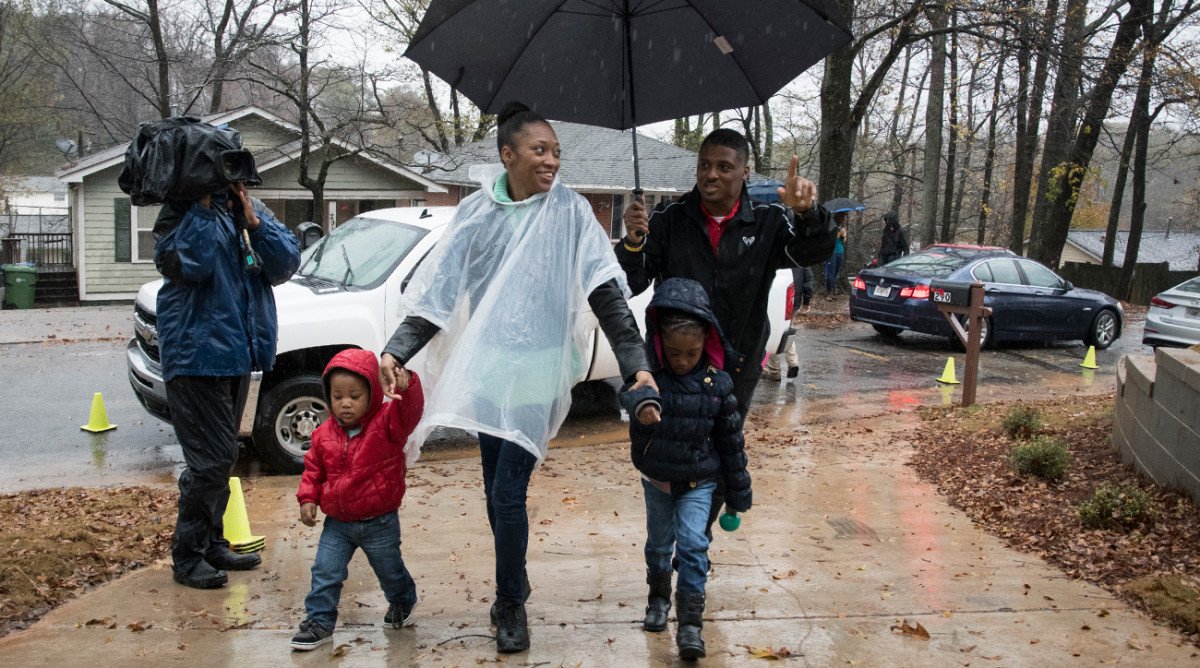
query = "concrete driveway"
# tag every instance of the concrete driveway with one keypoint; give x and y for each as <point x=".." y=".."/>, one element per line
<point x="844" y="543"/>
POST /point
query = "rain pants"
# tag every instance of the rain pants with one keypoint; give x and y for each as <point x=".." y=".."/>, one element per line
<point x="505" y="288"/>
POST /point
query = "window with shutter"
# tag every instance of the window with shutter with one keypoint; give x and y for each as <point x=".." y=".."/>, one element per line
<point x="122" y="230"/>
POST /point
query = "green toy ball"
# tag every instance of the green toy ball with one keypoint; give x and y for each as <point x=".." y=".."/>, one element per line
<point x="730" y="521"/>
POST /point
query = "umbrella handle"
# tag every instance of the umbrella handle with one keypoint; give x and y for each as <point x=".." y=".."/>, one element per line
<point x="637" y="197"/>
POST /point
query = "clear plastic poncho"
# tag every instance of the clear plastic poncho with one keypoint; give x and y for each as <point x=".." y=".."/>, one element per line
<point x="507" y="285"/>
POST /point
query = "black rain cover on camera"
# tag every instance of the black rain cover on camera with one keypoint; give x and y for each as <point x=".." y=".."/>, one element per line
<point x="184" y="158"/>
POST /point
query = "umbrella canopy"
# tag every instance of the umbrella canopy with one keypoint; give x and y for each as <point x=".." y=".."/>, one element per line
<point x="618" y="63"/>
<point x="764" y="191"/>
<point x="843" y="204"/>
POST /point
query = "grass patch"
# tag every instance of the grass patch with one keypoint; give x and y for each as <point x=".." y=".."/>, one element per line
<point x="1171" y="597"/>
<point x="58" y="543"/>
<point x="1043" y="456"/>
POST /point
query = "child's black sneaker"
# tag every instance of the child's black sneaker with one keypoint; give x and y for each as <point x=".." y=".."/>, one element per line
<point x="311" y="636"/>
<point x="399" y="615"/>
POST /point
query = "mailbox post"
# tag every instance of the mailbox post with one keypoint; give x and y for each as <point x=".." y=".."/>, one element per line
<point x="963" y="299"/>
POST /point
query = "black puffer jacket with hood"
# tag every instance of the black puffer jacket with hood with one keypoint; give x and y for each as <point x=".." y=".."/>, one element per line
<point x="700" y="434"/>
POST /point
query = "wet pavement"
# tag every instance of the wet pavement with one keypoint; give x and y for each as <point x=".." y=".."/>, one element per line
<point x="53" y="360"/>
<point x="843" y="543"/>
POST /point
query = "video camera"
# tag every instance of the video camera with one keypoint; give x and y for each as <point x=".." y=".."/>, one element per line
<point x="184" y="159"/>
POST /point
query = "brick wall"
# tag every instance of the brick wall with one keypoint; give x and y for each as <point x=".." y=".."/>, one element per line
<point x="442" y="199"/>
<point x="1156" y="424"/>
<point x="602" y="206"/>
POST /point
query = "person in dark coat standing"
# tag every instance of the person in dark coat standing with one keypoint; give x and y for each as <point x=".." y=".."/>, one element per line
<point x="216" y="323"/>
<point x="732" y="246"/>
<point x="895" y="240"/>
<point x="683" y="437"/>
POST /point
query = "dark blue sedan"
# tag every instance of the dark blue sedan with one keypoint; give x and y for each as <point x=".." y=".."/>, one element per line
<point x="1029" y="302"/>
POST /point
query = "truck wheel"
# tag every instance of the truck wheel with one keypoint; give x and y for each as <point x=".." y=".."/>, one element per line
<point x="288" y="415"/>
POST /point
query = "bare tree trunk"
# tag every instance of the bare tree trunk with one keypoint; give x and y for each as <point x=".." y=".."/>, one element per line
<point x="952" y="148"/>
<point x="1118" y="195"/>
<point x="1063" y="170"/>
<point x="989" y="158"/>
<point x="894" y="136"/>
<point x="1139" y="124"/>
<point x="769" y="139"/>
<point x="934" y="108"/>
<point x="1030" y="95"/>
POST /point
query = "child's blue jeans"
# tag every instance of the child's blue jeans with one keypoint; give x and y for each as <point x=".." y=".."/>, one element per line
<point x="676" y="525"/>
<point x="379" y="538"/>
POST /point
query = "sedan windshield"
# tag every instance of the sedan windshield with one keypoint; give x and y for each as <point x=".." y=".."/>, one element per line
<point x="929" y="263"/>
<point x="361" y="252"/>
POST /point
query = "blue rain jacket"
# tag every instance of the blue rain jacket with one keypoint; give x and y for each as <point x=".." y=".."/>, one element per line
<point x="215" y="318"/>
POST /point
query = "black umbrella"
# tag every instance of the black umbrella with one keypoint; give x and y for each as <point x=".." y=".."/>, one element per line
<point x="583" y="60"/>
<point x="843" y="204"/>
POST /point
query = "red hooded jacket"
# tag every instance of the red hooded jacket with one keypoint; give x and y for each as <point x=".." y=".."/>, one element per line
<point x="361" y="477"/>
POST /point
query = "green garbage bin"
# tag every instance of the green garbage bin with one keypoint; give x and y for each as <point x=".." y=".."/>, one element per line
<point x="19" y="281"/>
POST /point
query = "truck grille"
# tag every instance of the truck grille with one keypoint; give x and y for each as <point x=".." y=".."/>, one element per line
<point x="145" y="326"/>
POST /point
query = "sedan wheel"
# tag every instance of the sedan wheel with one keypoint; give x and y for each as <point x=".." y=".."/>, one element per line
<point x="1103" y="331"/>
<point x="985" y="333"/>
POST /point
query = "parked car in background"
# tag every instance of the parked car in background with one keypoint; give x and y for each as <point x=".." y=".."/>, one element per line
<point x="1174" y="316"/>
<point x="1029" y="301"/>
<point x="346" y="294"/>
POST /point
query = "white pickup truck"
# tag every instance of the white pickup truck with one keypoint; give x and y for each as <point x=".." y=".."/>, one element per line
<point x="346" y="294"/>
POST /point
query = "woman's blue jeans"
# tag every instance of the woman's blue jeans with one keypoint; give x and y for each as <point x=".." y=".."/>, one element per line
<point x="833" y="267"/>
<point x="506" y="470"/>
<point x="675" y="525"/>
<point x="379" y="538"/>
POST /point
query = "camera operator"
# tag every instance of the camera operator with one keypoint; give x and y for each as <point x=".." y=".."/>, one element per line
<point x="216" y="323"/>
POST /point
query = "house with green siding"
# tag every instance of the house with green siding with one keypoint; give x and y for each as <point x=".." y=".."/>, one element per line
<point x="113" y="241"/>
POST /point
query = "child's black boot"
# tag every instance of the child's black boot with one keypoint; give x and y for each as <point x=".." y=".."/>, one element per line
<point x="689" y="610"/>
<point x="512" y="629"/>
<point x="658" y="604"/>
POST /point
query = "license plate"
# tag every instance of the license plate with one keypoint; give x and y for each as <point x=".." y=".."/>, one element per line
<point x="882" y="291"/>
<point x="1193" y="311"/>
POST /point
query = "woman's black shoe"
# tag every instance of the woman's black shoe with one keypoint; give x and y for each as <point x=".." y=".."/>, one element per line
<point x="202" y="576"/>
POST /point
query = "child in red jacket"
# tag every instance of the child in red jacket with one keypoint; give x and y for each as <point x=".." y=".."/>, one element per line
<point x="355" y="472"/>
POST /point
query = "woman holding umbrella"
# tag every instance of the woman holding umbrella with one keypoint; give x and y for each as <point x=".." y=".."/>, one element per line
<point x="498" y="300"/>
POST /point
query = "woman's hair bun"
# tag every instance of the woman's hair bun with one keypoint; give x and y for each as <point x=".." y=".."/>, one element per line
<point x="509" y="110"/>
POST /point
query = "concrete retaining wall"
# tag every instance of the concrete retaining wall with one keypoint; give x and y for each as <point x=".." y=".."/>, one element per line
<point x="1156" y="424"/>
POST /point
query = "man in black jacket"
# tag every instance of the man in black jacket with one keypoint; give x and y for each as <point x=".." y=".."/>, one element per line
<point x="716" y="235"/>
<point x="895" y="241"/>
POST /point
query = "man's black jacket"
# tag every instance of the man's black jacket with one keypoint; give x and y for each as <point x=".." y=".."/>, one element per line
<point x="756" y="242"/>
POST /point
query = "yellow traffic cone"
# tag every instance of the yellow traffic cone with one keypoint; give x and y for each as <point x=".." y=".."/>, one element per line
<point x="948" y="374"/>
<point x="1089" y="362"/>
<point x="98" y="420"/>
<point x="237" y="524"/>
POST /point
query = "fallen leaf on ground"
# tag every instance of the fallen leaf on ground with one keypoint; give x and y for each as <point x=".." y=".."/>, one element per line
<point x="917" y="631"/>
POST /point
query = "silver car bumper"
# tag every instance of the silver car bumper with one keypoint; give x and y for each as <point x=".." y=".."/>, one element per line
<point x="145" y="376"/>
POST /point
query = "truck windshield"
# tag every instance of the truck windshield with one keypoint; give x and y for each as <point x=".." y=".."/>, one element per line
<point x="361" y="252"/>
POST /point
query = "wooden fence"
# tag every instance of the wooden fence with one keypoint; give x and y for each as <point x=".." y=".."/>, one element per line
<point x="1148" y="279"/>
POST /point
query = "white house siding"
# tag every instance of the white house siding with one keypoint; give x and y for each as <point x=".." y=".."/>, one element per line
<point x="1072" y="253"/>
<point x="353" y="174"/>
<point x="106" y="278"/>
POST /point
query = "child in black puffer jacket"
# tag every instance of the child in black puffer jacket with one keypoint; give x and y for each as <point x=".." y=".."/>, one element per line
<point x="681" y="438"/>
